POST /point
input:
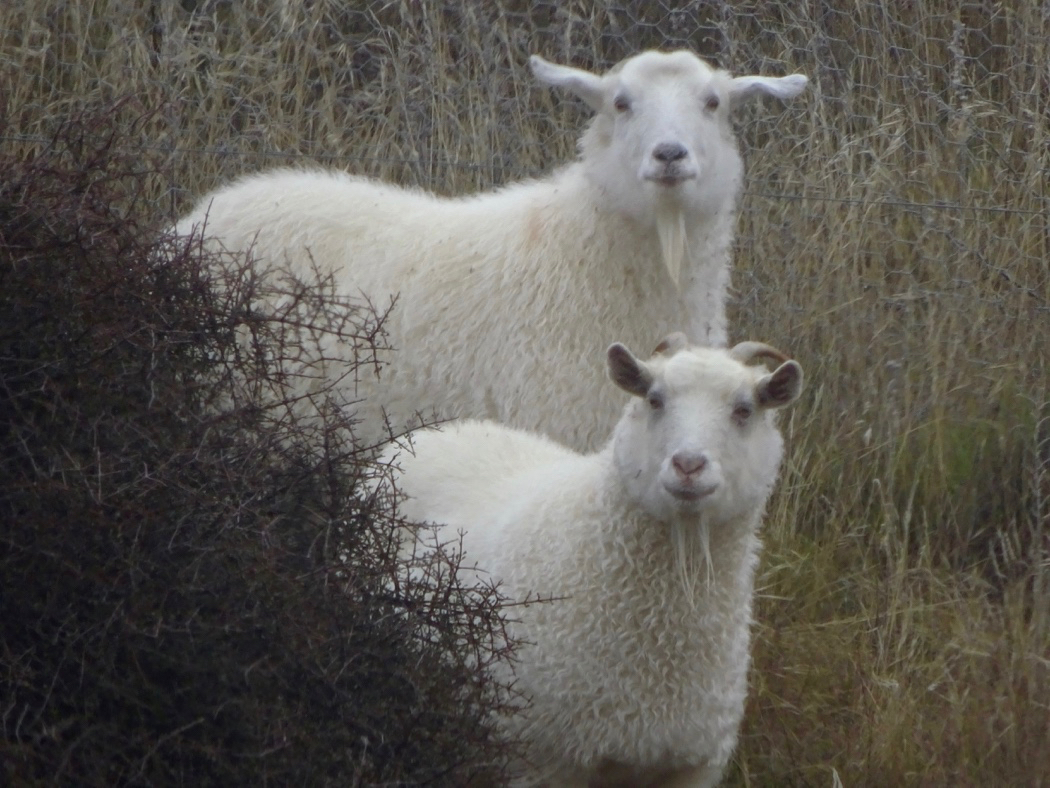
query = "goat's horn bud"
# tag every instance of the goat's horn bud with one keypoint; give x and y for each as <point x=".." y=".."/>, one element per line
<point x="746" y="352"/>
<point x="671" y="344"/>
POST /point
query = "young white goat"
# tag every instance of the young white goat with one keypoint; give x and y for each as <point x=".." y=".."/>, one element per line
<point x="500" y="294"/>
<point x="637" y="670"/>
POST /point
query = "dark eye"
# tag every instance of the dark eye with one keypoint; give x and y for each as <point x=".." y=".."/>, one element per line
<point x="656" y="401"/>
<point x="621" y="104"/>
<point x="712" y="103"/>
<point x="742" y="412"/>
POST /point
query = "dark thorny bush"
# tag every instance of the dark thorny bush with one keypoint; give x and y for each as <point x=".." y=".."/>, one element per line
<point x="196" y="588"/>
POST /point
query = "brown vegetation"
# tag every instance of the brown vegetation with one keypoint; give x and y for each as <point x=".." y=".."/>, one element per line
<point x="196" y="588"/>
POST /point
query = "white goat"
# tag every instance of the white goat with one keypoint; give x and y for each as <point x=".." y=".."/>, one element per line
<point x="637" y="670"/>
<point x="501" y="293"/>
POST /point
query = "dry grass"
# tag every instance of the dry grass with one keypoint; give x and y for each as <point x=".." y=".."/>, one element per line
<point x="894" y="236"/>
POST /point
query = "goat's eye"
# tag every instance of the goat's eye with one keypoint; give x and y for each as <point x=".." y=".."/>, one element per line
<point x="741" y="413"/>
<point x="712" y="103"/>
<point x="621" y="104"/>
<point x="656" y="401"/>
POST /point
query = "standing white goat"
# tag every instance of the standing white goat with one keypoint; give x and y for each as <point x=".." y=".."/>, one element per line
<point x="637" y="670"/>
<point x="502" y="293"/>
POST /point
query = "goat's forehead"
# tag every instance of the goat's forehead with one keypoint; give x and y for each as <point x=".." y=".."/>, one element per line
<point x="709" y="372"/>
<point x="653" y="67"/>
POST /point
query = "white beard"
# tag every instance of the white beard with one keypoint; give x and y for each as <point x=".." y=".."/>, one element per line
<point x="692" y="552"/>
<point x="670" y="229"/>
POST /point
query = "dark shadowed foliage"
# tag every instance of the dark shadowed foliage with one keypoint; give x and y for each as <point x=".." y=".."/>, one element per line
<point x="196" y="588"/>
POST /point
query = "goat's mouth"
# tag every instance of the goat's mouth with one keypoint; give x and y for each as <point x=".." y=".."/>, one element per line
<point x="689" y="493"/>
<point x="670" y="179"/>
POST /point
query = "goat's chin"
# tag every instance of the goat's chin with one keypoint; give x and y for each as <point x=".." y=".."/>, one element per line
<point x="697" y="194"/>
<point x="669" y="504"/>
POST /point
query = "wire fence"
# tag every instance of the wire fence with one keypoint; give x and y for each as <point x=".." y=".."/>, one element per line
<point x="252" y="160"/>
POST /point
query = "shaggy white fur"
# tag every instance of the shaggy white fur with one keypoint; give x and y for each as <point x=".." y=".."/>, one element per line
<point x="637" y="671"/>
<point x="530" y="271"/>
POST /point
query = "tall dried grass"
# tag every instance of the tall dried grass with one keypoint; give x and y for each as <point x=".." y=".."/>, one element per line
<point x="894" y="236"/>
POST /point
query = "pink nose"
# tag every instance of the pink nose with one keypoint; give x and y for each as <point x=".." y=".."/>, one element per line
<point x="688" y="463"/>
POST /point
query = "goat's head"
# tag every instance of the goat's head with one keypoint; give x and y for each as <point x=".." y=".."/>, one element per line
<point x="662" y="124"/>
<point x="700" y="438"/>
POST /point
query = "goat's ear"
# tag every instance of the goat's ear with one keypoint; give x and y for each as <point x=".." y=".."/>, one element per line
<point x="627" y="372"/>
<point x="743" y="88"/>
<point x="584" y="84"/>
<point x="780" y="387"/>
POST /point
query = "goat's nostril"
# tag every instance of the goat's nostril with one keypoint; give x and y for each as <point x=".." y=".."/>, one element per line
<point x="688" y="463"/>
<point x="668" y="152"/>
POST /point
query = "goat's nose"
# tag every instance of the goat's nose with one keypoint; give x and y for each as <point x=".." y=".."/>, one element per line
<point x="668" y="152"/>
<point x="688" y="463"/>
